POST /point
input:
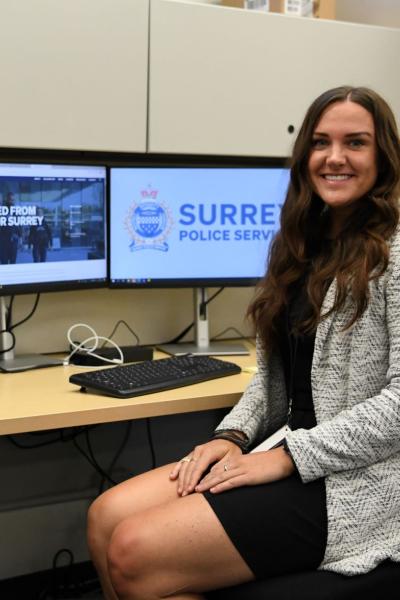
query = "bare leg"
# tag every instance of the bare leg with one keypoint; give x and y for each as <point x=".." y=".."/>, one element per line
<point x="127" y="499"/>
<point x="176" y="550"/>
<point x="132" y="503"/>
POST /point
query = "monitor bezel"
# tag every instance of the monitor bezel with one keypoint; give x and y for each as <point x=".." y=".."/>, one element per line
<point x="58" y="158"/>
<point x="190" y="161"/>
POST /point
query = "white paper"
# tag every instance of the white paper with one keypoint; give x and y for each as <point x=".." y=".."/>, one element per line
<point x="273" y="439"/>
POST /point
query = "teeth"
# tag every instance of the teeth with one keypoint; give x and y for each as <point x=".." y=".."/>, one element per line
<point x="337" y="177"/>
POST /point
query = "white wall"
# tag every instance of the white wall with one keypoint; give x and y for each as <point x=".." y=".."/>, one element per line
<point x="155" y="315"/>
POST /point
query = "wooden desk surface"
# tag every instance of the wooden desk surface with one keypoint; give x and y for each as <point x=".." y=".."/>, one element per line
<point x="44" y="399"/>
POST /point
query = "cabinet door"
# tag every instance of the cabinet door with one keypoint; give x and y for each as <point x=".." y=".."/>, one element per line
<point x="74" y="74"/>
<point x="231" y="81"/>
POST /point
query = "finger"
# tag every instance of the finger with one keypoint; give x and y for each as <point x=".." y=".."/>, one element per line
<point x="192" y="474"/>
<point x="178" y="467"/>
<point x="218" y="477"/>
<point x="175" y="471"/>
<point x="229" y="484"/>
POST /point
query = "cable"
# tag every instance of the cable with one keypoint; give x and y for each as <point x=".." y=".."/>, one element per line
<point x="121" y="321"/>
<point x="117" y="455"/>
<point x="11" y="327"/>
<point x="13" y="341"/>
<point x="176" y="339"/>
<point x="81" y="347"/>
<point x="151" y="443"/>
<point x="31" y="446"/>
<point x="9" y="312"/>
<point x="65" y="581"/>
<point x="241" y="335"/>
<point x="72" y="437"/>
<point x="60" y="437"/>
<point x="92" y="460"/>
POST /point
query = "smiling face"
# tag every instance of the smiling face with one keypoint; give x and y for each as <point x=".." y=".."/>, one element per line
<point x="343" y="160"/>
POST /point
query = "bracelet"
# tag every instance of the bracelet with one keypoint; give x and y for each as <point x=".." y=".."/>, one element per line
<point x="231" y="436"/>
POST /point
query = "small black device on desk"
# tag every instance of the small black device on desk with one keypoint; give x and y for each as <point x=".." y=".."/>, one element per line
<point x="130" y="354"/>
<point x="154" y="376"/>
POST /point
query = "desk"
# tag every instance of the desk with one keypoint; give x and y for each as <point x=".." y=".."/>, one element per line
<point x="44" y="399"/>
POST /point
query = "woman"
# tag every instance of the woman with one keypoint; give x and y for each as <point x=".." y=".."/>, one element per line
<point x="328" y="322"/>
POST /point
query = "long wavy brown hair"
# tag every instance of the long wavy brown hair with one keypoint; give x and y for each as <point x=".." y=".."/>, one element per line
<point x="361" y="251"/>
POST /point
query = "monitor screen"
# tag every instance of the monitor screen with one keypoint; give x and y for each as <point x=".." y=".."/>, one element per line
<point x="52" y="227"/>
<point x="192" y="226"/>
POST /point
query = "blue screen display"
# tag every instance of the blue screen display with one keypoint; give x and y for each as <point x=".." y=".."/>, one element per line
<point x="186" y="225"/>
<point x="53" y="228"/>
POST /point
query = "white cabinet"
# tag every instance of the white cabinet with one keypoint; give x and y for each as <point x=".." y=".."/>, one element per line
<point x="74" y="74"/>
<point x="230" y="81"/>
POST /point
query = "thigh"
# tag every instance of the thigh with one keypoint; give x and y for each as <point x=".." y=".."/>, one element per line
<point x="184" y="543"/>
<point x="131" y="497"/>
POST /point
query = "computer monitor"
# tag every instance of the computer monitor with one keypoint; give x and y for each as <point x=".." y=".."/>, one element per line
<point x="52" y="236"/>
<point x="193" y="226"/>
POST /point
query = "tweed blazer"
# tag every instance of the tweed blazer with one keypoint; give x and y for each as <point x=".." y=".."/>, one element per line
<point x="355" y="445"/>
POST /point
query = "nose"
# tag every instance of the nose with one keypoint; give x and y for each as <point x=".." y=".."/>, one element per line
<point x="336" y="155"/>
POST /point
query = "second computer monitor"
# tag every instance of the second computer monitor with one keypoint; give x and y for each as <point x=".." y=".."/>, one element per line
<point x="192" y="226"/>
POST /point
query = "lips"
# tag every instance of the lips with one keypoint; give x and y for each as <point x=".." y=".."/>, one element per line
<point x="338" y="177"/>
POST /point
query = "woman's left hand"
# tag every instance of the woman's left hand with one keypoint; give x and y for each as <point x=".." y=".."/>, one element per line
<point x="247" y="469"/>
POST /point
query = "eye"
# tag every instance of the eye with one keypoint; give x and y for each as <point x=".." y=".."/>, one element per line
<point x="356" y="143"/>
<point x="319" y="143"/>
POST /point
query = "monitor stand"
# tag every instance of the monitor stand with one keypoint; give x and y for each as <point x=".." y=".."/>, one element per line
<point x="202" y="345"/>
<point x="12" y="364"/>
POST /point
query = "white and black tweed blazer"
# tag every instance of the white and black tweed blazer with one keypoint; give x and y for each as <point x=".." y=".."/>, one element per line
<point x="356" y="442"/>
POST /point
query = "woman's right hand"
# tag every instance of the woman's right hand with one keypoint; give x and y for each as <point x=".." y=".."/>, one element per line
<point x="190" y="469"/>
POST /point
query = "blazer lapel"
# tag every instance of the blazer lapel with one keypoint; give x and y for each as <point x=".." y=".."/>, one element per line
<point x="325" y="325"/>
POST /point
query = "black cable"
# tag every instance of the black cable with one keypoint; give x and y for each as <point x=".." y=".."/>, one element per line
<point x="181" y="335"/>
<point x="117" y="455"/>
<point x="92" y="460"/>
<point x="151" y="443"/>
<point x="121" y="321"/>
<point x="11" y="327"/>
<point x="72" y="437"/>
<point x="60" y="437"/>
<point x="13" y="341"/>
<point x="189" y="327"/>
<point x="9" y="312"/>
<point x="241" y="335"/>
<point x="31" y="446"/>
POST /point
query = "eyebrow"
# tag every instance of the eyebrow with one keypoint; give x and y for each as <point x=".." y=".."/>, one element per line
<point x="352" y="134"/>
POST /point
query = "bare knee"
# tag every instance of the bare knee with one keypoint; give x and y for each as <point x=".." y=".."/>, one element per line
<point x="101" y="520"/>
<point x="129" y="559"/>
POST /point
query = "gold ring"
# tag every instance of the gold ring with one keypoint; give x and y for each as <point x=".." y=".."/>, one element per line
<point x="193" y="459"/>
<point x="225" y="467"/>
<point x="186" y="459"/>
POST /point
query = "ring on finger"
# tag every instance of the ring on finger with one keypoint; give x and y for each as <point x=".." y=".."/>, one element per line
<point x="226" y="468"/>
<point x="193" y="459"/>
<point x="185" y="459"/>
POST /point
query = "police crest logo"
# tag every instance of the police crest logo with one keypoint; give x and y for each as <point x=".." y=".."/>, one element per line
<point x="149" y="222"/>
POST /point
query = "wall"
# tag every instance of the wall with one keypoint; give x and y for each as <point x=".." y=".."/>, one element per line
<point x="155" y="315"/>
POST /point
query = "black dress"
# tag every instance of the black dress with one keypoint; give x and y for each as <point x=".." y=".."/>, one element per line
<point x="281" y="527"/>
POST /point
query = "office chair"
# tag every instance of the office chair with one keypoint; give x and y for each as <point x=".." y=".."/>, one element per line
<point x="382" y="582"/>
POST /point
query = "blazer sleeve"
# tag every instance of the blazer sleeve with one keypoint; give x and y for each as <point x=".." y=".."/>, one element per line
<point x="249" y="415"/>
<point x="369" y="431"/>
